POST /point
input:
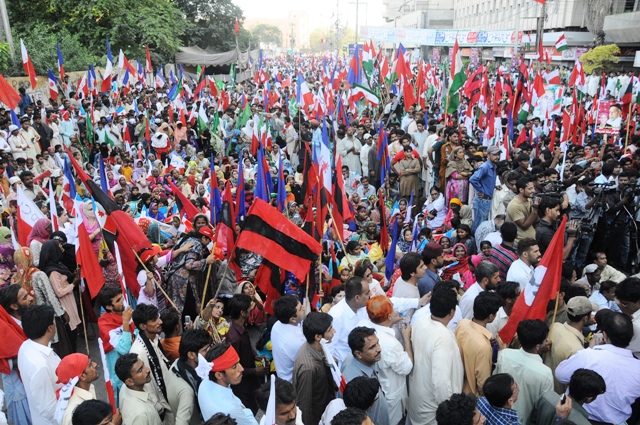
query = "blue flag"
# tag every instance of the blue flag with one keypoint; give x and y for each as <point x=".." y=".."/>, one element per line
<point x="103" y="177"/>
<point x="282" y="192"/>
<point x="390" y="260"/>
<point x="240" y="203"/>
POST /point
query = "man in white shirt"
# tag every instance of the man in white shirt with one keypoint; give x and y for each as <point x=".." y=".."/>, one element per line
<point x="38" y="363"/>
<point x="605" y="297"/>
<point x="487" y="278"/>
<point x="364" y="153"/>
<point x="521" y="270"/>
<point x="615" y="364"/>
<point x="364" y="189"/>
<point x="286" y="334"/>
<point x="352" y="308"/>
<point x="438" y="371"/>
<point x="628" y="299"/>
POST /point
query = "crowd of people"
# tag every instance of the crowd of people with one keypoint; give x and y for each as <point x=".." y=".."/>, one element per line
<point x="401" y="320"/>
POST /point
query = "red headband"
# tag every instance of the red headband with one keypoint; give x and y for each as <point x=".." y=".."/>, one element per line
<point x="225" y="361"/>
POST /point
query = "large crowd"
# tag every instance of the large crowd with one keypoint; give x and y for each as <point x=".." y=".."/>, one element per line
<point x="401" y="319"/>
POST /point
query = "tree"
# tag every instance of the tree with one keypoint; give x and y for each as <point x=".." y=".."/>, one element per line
<point x="213" y="22"/>
<point x="596" y="11"/>
<point x="268" y="34"/>
<point x="600" y="58"/>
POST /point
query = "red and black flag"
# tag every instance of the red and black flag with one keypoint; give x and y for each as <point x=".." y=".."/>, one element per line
<point x="226" y="229"/>
<point x="269" y="278"/>
<point x="341" y="210"/>
<point x="184" y="205"/>
<point x="271" y="235"/>
<point x="384" y="232"/>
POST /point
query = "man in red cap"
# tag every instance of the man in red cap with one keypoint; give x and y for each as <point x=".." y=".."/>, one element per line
<point x="215" y="394"/>
<point x="76" y="372"/>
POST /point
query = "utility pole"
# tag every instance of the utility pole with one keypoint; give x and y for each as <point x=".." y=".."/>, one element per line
<point x="6" y="28"/>
<point x="540" y="29"/>
<point x="357" y="4"/>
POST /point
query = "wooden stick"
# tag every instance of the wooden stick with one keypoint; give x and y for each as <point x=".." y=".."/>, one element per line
<point x="206" y="282"/>
<point x="333" y="221"/>
<point x="320" y="275"/>
<point x="555" y="312"/>
<point x="84" y="323"/>
<point x="144" y="266"/>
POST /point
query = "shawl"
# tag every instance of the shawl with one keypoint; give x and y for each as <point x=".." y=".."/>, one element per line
<point x="461" y="266"/>
<point x="39" y="232"/>
<point x="457" y="166"/>
<point x="88" y="216"/>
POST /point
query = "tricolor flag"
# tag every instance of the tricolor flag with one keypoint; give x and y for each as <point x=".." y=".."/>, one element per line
<point x="106" y="78"/>
<point x="53" y="85"/>
<point x="53" y="210"/>
<point x="28" y="66"/>
<point x="561" y="44"/>
<point x="459" y="77"/>
<point x="304" y="96"/>
<point x="28" y="214"/>
<point x="60" y="63"/>
<point x="160" y="81"/>
<point x="359" y="92"/>
<point x="107" y="377"/>
<point x="532" y="303"/>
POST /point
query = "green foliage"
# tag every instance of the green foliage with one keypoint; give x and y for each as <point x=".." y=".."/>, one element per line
<point x="41" y="42"/>
<point x="6" y="63"/>
<point x="269" y="34"/>
<point x="600" y="58"/>
<point x="86" y="23"/>
<point x="212" y="23"/>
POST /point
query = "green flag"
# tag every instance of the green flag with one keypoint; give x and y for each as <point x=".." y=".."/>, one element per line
<point x="232" y="74"/>
<point x="89" y="128"/>
<point x="108" y="139"/>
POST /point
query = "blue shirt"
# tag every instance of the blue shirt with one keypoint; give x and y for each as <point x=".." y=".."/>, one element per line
<point x="427" y="282"/>
<point x="484" y="179"/>
<point x="497" y="415"/>
<point x="214" y="398"/>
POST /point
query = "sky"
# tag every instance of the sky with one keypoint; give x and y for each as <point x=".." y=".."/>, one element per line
<point x="370" y="11"/>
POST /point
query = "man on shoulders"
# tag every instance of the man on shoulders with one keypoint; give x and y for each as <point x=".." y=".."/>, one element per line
<point x="504" y="254"/>
<point x="484" y="182"/>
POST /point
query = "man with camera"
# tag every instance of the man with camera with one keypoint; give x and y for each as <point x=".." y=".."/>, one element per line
<point x="549" y="211"/>
<point x="586" y="208"/>
<point x="619" y="215"/>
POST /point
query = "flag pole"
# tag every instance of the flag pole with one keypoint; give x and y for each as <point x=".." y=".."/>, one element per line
<point x="555" y="312"/>
<point x="155" y="281"/>
<point x="626" y="136"/>
<point x="84" y="323"/>
<point x="206" y="282"/>
<point x="225" y="273"/>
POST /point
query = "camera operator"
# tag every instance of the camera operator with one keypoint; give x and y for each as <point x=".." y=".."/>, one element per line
<point x="549" y="211"/>
<point x="586" y="208"/>
<point x="618" y="216"/>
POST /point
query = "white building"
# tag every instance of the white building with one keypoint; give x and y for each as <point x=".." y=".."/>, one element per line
<point x="433" y="14"/>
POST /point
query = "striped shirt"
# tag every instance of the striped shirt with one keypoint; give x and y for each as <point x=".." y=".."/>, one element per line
<point x="497" y="415"/>
<point x="503" y="256"/>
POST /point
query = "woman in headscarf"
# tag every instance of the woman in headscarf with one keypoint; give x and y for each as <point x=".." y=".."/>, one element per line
<point x="435" y="209"/>
<point x="186" y="273"/>
<point x="5" y="234"/>
<point x="247" y="133"/>
<point x="37" y="284"/>
<point x="111" y="179"/>
<point x="213" y="321"/>
<point x="7" y="266"/>
<point x="156" y="235"/>
<point x="63" y="281"/>
<point x="150" y="275"/>
<point x="257" y="315"/>
<point x="122" y="185"/>
<point x="155" y="213"/>
<point x="459" y="262"/>
<point x="457" y="174"/>
<point x="139" y="171"/>
<point x="100" y="248"/>
<point x="41" y="232"/>
<point x="353" y="255"/>
<point x="404" y="245"/>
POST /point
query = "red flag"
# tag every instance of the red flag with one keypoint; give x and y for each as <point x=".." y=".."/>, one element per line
<point x="236" y="29"/>
<point x="532" y="303"/>
<point x="384" y="233"/>
<point x="10" y="97"/>
<point x="148" y="66"/>
<point x="184" y="205"/>
<point x="90" y="269"/>
<point x="12" y="338"/>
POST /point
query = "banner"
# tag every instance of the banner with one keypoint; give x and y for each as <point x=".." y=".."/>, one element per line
<point x="609" y="117"/>
<point x="550" y="104"/>
<point x="430" y="37"/>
